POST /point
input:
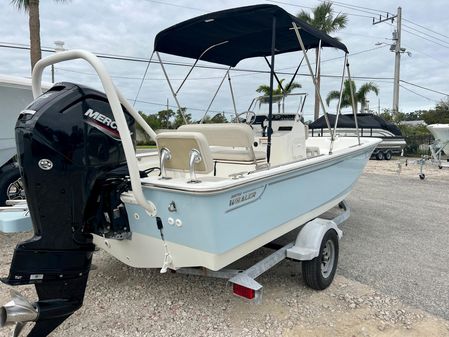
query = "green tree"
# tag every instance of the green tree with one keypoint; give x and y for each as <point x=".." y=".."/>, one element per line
<point x="32" y="7"/>
<point x="164" y="117"/>
<point x="278" y="94"/>
<point x="386" y="115"/>
<point x="439" y="115"/>
<point x="179" y="119"/>
<point x="153" y="121"/>
<point x="359" y="96"/>
<point x="141" y="136"/>
<point x="219" y="118"/>
<point x="323" y="18"/>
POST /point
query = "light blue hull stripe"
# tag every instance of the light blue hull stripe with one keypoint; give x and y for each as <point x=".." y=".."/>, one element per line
<point x="219" y="222"/>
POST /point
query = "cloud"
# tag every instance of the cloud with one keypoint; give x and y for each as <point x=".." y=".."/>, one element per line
<point x="128" y="27"/>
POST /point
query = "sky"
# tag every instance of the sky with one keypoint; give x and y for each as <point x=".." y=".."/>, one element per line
<point x="128" y="28"/>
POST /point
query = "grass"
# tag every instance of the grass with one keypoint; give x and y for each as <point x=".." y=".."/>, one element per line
<point x="143" y="147"/>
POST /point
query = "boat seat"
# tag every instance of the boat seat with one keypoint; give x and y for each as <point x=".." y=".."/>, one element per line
<point x="312" y="151"/>
<point x="229" y="142"/>
<point x="180" y="145"/>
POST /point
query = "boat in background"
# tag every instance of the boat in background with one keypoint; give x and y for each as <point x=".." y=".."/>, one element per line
<point x="441" y="134"/>
<point x="15" y="95"/>
<point x="370" y="125"/>
<point x="212" y="194"/>
<point x="439" y="146"/>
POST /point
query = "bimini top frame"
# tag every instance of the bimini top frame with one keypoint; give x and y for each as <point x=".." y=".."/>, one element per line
<point x="229" y="36"/>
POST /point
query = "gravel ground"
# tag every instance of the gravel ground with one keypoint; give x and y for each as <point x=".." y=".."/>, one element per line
<point x="393" y="279"/>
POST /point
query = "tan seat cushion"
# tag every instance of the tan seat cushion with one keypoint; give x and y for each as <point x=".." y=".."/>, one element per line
<point x="180" y="144"/>
<point x="229" y="141"/>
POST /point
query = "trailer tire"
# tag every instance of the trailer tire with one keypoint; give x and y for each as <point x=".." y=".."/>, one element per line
<point x="387" y="155"/>
<point x="319" y="272"/>
<point x="9" y="174"/>
<point x="380" y="155"/>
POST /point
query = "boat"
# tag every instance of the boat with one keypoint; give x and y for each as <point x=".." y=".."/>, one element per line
<point x="209" y="196"/>
<point x="441" y="134"/>
<point x="370" y="125"/>
<point x="15" y="94"/>
<point x="437" y="148"/>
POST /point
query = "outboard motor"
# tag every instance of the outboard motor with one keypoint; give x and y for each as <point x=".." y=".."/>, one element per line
<point x="73" y="169"/>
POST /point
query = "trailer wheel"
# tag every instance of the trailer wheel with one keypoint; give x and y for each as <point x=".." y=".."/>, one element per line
<point x="10" y="184"/>
<point x="319" y="272"/>
<point x="380" y="155"/>
<point x="387" y="155"/>
<point x="422" y="176"/>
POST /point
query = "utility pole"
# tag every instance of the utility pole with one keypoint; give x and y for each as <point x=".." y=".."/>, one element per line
<point x="397" y="62"/>
<point x="396" y="48"/>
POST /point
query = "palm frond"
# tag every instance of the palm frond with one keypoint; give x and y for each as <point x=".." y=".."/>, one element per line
<point x="20" y="4"/>
<point x="332" y="95"/>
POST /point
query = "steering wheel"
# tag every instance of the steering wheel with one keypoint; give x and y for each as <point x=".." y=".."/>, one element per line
<point x="250" y="117"/>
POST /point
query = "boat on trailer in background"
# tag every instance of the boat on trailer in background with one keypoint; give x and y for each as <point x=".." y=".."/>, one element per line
<point x="439" y="147"/>
<point x="441" y="134"/>
<point x="370" y="125"/>
<point x="211" y="194"/>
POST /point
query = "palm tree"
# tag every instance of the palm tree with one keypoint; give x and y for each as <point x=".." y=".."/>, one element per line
<point x="32" y="7"/>
<point x="278" y="93"/>
<point x="322" y="18"/>
<point x="359" y="96"/>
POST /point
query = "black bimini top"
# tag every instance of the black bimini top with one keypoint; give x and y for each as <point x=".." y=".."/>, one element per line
<point x="239" y="33"/>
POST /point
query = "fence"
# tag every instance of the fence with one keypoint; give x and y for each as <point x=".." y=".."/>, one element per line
<point x="418" y="145"/>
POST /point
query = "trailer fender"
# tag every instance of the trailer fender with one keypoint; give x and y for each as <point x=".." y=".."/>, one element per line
<point x="308" y="241"/>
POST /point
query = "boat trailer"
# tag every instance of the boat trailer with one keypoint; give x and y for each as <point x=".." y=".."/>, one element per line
<point x="436" y="149"/>
<point x="312" y="247"/>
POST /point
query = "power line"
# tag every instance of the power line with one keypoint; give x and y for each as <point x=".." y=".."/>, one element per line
<point x="430" y="56"/>
<point x="176" y="5"/>
<point x="289" y="4"/>
<point x="350" y="7"/>
<point x="355" y="7"/>
<point x="414" y="92"/>
<point x="430" y="30"/>
<point x="424" y="88"/>
<point x="185" y="64"/>
<point x="188" y="108"/>
<point x="424" y="38"/>
<point x="417" y="35"/>
<point x="295" y="5"/>
<point x="426" y="34"/>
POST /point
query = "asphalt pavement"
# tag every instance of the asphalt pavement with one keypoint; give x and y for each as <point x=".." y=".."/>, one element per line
<point x="397" y="239"/>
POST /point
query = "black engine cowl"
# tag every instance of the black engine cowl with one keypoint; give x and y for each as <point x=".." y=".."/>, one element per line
<point x="67" y="144"/>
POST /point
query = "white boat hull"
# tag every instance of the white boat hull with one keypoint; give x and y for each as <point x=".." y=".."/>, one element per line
<point x="216" y="226"/>
<point x="441" y="134"/>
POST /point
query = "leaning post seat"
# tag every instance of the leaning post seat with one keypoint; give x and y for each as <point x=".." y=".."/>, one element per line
<point x="229" y="142"/>
<point x="184" y="152"/>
